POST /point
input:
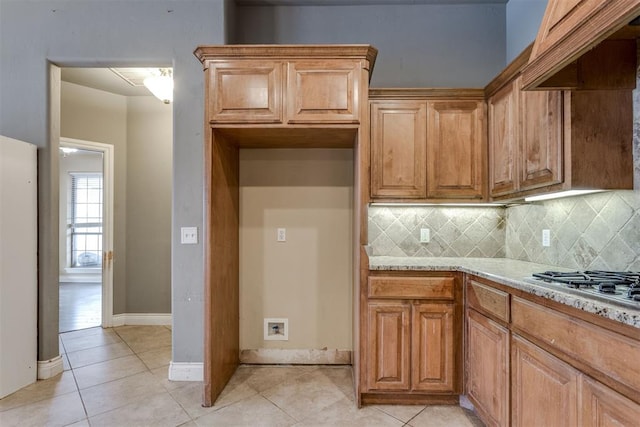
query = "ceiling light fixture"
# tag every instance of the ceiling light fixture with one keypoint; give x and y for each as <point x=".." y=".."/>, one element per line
<point x="161" y="85"/>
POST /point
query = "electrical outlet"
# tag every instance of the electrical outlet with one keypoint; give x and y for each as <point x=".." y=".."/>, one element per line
<point x="189" y="235"/>
<point x="425" y="235"/>
<point x="282" y="235"/>
<point x="546" y="238"/>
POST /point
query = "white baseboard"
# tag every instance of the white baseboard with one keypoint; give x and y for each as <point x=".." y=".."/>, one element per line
<point x="296" y="357"/>
<point x="184" y="371"/>
<point x="50" y="368"/>
<point x="123" y="319"/>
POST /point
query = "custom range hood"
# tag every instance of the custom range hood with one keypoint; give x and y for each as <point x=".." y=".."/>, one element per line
<point x="585" y="45"/>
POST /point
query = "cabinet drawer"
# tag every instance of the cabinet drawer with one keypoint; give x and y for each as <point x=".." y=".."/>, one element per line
<point x="411" y="287"/>
<point x="613" y="355"/>
<point x="488" y="300"/>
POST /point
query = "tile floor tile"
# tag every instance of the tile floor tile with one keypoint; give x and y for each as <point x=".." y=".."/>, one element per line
<point x="114" y="394"/>
<point x="156" y="358"/>
<point x="262" y="378"/>
<point x="85" y="332"/>
<point x="341" y="377"/>
<point x="80" y="358"/>
<point x="154" y="411"/>
<point x="57" y="411"/>
<point x="253" y="411"/>
<point x="162" y="375"/>
<point x="95" y="340"/>
<point x="81" y="423"/>
<point x="401" y="412"/>
<point x="190" y="398"/>
<point x="304" y="395"/>
<point x="344" y="413"/>
<point x="40" y="390"/>
<point x="66" y="366"/>
<point x="441" y="416"/>
<point x="110" y="370"/>
<point x="144" y="338"/>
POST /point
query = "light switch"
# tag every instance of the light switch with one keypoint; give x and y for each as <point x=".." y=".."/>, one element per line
<point x="282" y="235"/>
<point x="189" y="235"/>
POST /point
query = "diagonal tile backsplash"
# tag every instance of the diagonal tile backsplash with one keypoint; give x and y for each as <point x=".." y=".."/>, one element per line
<point x="455" y="231"/>
<point x="599" y="231"/>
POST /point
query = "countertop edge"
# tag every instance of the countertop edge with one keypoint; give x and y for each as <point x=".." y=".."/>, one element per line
<point x="504" y="273"/>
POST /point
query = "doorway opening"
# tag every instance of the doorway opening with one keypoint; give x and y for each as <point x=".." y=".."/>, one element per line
<point x="86" y="206"/>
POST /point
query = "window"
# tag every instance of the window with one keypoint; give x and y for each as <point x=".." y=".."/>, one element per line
<point x="86" y="220"/>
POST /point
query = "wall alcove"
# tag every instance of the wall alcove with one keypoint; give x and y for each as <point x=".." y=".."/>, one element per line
<point x="273" y="96"/>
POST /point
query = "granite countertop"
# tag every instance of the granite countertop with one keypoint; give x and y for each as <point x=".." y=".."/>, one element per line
<point x="511" y="273"/>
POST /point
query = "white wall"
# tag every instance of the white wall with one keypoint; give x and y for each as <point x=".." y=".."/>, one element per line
<point x="420" y="45"/>
<point x="306" y="279"/>
<point x="18" y="265"/>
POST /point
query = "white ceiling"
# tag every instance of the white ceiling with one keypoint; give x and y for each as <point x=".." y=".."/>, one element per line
<point x="102" y="79"/>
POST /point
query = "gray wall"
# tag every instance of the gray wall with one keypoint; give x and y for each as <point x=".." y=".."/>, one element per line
<point x="419" y="45"/>
<point x="102" y="33"/>
<point x="149" y="153"/>
<point x="523" y="20"/>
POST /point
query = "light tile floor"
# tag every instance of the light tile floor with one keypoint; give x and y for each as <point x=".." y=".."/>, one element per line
<point x="118" y="377"/>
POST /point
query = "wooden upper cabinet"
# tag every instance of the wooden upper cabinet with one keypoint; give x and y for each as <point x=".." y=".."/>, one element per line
<point x="503" y="122"/>
<point x="398" y="149"/>
<point x="540" y="139"/>
<point x="579" y="46"/>
<point x="246" y="92"/>
<point x="287" y="84"/>
<point x="456" y="150"/>
<point x="324" y="91"/>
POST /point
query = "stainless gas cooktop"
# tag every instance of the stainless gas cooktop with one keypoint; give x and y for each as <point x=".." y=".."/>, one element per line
<point x="615" y="287"/>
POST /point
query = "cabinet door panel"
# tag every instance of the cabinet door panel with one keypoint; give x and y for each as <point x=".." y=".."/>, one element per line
<point x="323" y="91"/>
<point x="541" y="138"/>
<point x="398" y="149"/>
<point x="245" y="91"/>
<point x="389" y="341"/>
<point x="433" y="348"/>
<point x="502" y="140"/>
<point x="603" y="407"/>
<point x="455" y="150"/>
<point x="488" y="368"/>
<point x="544" y="389"/>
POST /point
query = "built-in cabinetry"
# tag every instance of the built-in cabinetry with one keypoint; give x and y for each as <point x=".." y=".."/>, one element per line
<point x="278" y="85"/>
<point x="270" y="97"/>
<point x="532" y="364"/>
<point x="428" y="145"/>
<point x="564" y="54"/>
<point x="411" y="338"/>
<point x="549" y="141"/>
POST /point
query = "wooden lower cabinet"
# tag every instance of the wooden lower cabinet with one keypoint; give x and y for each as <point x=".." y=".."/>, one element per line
<point x="488" y="368"/>
<point x="601" y="406"/>
<point x="544" y="388"/>
<point x="433" y="348"/>
<point x="411" y="347"/>
<point x="389" y="342"/>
